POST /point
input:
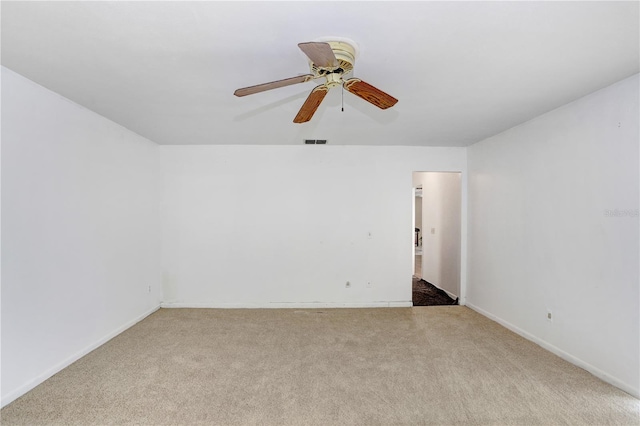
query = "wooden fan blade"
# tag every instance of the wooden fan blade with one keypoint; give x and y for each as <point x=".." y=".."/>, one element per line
<point x="369" y="93"/>
<point x="311" y="104"/>
<point x="319" y="53"/>
<point x="272" y="85"/>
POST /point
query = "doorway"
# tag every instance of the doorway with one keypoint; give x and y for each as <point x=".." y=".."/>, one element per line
<point x="437" y="238"/>
<point x="417" y="240"/>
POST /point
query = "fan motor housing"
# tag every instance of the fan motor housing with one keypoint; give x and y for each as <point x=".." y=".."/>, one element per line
<point x="334" y="79"/>
<point x="345" y="53"/>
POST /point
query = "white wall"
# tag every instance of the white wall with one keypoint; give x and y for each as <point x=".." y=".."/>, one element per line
<point x="540" y="238"/>
<point x="80" y="232"/>
<point x="309" y="234"/>
<point x="441" y="211"/>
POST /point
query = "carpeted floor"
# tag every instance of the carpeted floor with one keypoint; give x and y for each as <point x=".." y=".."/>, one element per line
<point x="426" y="294"/>
<point x="442" y="365"/>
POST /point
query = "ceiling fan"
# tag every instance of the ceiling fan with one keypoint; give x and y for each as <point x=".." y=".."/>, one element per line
<point x="331" y="60"/>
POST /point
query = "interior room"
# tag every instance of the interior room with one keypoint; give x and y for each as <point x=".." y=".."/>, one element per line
<point x="147" y="212"/>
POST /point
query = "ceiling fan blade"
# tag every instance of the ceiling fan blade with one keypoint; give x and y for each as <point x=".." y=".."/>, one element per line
<point x="319" y="53"/>
<point x="272" y="85"/>
<point x="369" y="93"/>
<point x="311" y="104"/>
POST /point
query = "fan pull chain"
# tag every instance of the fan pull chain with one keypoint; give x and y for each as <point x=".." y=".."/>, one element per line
<point x="342" y="97"/>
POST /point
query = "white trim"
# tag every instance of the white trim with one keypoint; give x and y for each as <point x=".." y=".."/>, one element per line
<point x="451" y="295"/>
<point x="464" y="230"/>
<point x="17" y="393"/>
<point x="635" y="392"/>
<point x="278" y="305"/>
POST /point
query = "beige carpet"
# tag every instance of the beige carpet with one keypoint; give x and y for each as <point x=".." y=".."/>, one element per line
<point x="428" y="365"/>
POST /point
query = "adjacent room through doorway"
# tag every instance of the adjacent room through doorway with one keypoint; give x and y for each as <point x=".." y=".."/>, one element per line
<point x="437" y="238"/>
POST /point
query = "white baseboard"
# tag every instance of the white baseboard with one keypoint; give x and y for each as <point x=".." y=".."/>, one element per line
<point x="451" y="295"/>
<point x="296" y="305"/>
<point x="562" y="354"/>
<point x="16" y="393"/>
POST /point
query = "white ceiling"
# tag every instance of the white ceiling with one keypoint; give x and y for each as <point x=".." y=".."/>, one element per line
<point x="462" y="71"/>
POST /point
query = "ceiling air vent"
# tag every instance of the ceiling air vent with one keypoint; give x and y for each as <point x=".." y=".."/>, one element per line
<point x="315" y="141"/>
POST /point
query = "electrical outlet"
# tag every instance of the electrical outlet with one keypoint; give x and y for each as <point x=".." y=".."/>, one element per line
<point x="348" y="284"/>
<point x="549" y="315"/>
<point x="149" y="288"/>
